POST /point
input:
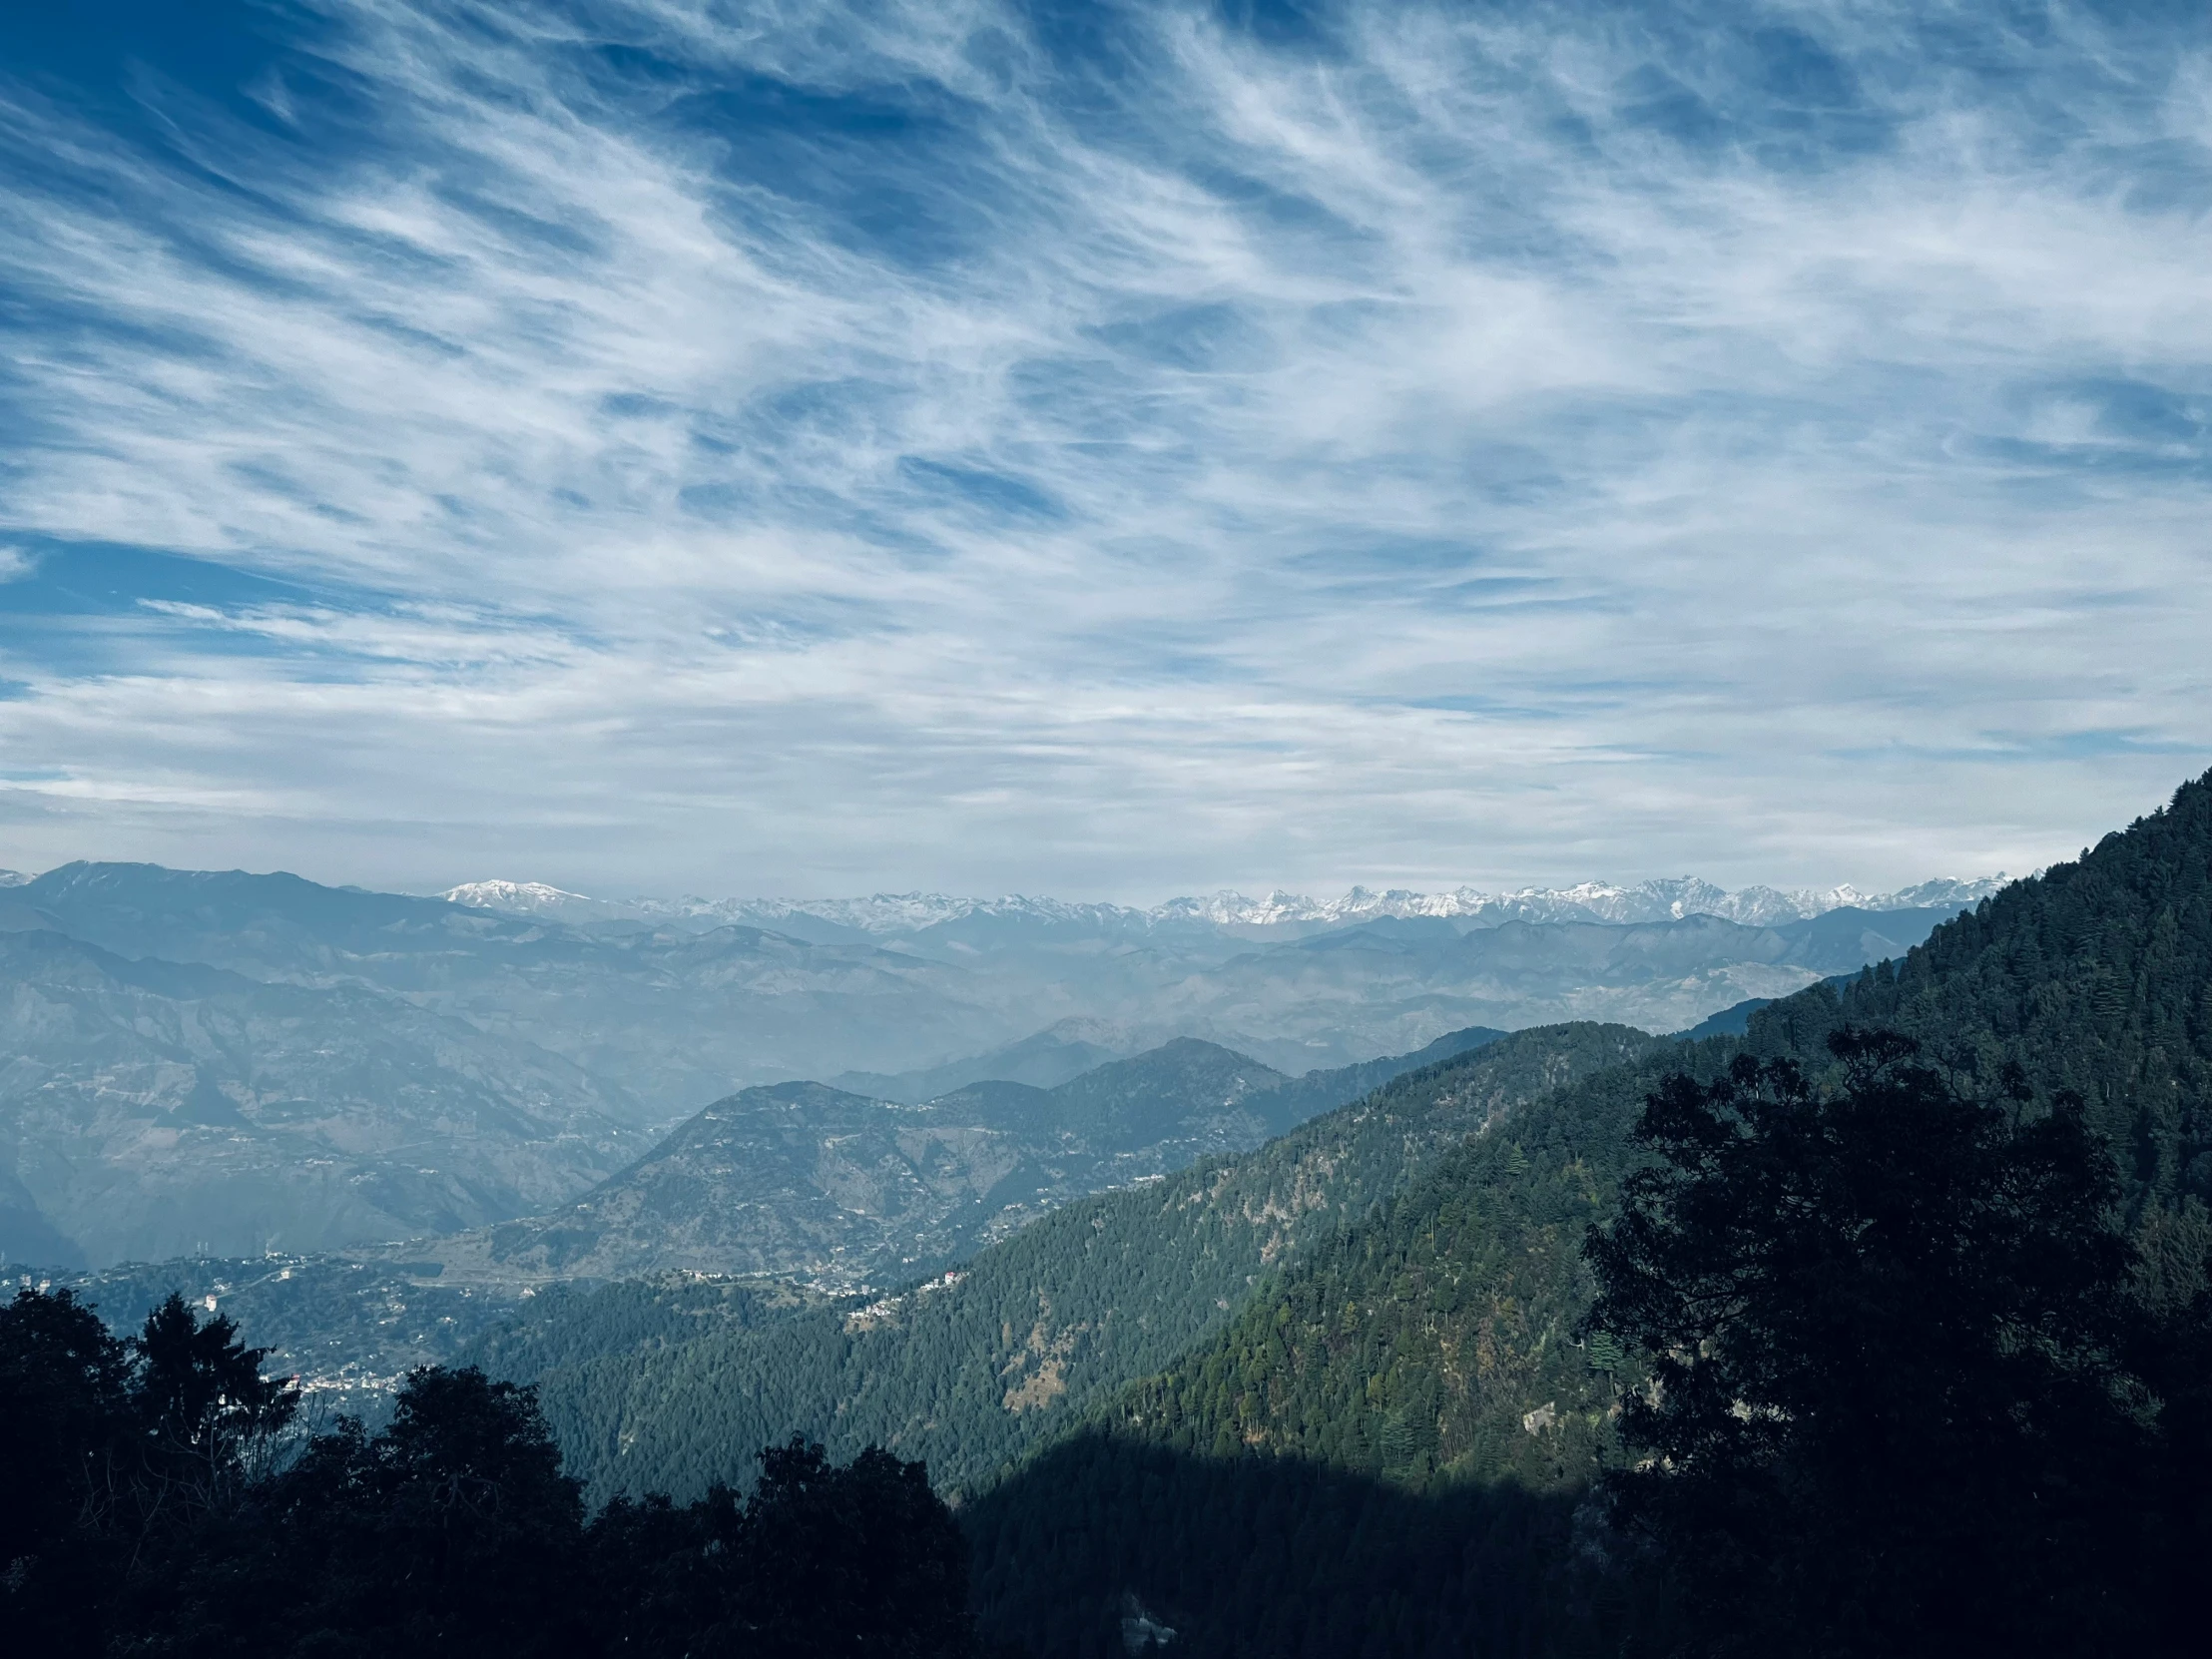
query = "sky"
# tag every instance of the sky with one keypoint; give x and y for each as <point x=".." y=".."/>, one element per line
<point x="1104" y="451"/>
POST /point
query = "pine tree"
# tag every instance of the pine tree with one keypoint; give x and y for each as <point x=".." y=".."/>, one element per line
<point x="1887" y="1410"/>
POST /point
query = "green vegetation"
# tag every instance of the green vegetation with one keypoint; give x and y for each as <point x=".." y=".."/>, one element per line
<point x="1892" y="1406"/>
<point x="1427" y="1365"/>
<point x="809" y="1182"/>
<point x="1295" y="1099"/>
<point x="1883" y="1327"/>
<point x="152" y="1503"/>
<point x="564" y="1325"/>
<point x="1414" y="1350"/>
<point x="1413" y="1390"/>
<point x="111" y="1449"/>
<point x="970" y="1373"/>
<point x="1278" y="1558"/>
<point x="349" y="1329"/>
<point x="2095" y="979"/>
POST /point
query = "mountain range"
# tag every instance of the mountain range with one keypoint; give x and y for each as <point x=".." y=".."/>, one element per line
<point x="806" y="1182"/>
<point x="1297" y="984"/>
<point x="1342" y="1384"/>
<point x="1665" y="899"/>
<point x="151" y="1109"/>
<point x="229" y="1063"/>
<point x="1402" y="1430"/>
<point x="803" y="1193"/>
<point x="973" y="1366"/>
<point x="1316" y="1362"/>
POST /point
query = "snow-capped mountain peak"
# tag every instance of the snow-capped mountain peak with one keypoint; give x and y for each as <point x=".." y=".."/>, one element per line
<point x="533" y="898"/>
<point x="1665" y="899"/>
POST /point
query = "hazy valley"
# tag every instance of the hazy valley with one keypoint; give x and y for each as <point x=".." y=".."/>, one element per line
<point x="227" y="1064"/>
<point x="1125" y="1306"/>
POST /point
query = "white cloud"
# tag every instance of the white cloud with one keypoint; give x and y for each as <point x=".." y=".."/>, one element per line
<point x="1398" y="461"/>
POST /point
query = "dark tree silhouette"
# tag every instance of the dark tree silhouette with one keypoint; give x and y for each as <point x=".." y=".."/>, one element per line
<point x="115" y="1456"/>
<point x="867" y="1553"/>
<point x="65" y="1450"/>
<point x="453" y="1530"/>
<point x="211" y="1423"/>
<point x="861" y="1558"/>
<point x="1886" y="1412"/>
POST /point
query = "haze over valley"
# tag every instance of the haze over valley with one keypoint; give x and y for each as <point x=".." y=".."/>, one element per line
<point x="219" y="1063"/>
<point x="1167" y="829"/>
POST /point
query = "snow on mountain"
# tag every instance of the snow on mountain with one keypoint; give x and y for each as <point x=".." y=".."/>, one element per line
<point x="1659" y="901"/>
<point x="13" y="878"/>
<point x="1942" y="891"/>
<point x="1664" y="900"/>
<point x="533" y="898"/>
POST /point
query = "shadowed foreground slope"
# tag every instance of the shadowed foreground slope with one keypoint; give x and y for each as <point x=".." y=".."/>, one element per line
<point x="1251" y="1558"/>
<point x="1438" y="1352"/>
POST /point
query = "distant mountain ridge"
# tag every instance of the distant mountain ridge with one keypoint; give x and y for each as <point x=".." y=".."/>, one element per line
<point x="1656" y="900"/>
<point x="1044" y="1060"/>
<point x="351" y="1323"/>
<point x="814" y="1183"/>
<point x="152" y="1108"/>
<point x="671" y="1016"/>
<point x="971" y="1368"/>
<point x="528" y="1049"/>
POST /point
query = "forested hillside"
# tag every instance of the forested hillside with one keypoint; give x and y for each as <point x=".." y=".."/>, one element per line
<point x="1415" y="1379"/>
<point x="2095" y="976"/>
<point x="809" y="1182"/>
<point x="1294" y="1101"/>
<point x="350" y="1325"/>
<point x="1344" y="1389"/>
<point x="1436" y="1342"/>
<point x="1425" y="1368"/>
<point x="973" y="1368"/>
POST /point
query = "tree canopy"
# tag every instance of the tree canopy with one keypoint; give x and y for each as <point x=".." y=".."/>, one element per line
<point x="1896" y="1398"/>
<point x="157" y="1501"/>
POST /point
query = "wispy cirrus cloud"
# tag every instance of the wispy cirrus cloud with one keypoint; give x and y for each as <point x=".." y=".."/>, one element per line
<point x="1111" y="449"/>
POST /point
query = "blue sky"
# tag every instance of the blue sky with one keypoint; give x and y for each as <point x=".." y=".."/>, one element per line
<point x="1108" y="451"/>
